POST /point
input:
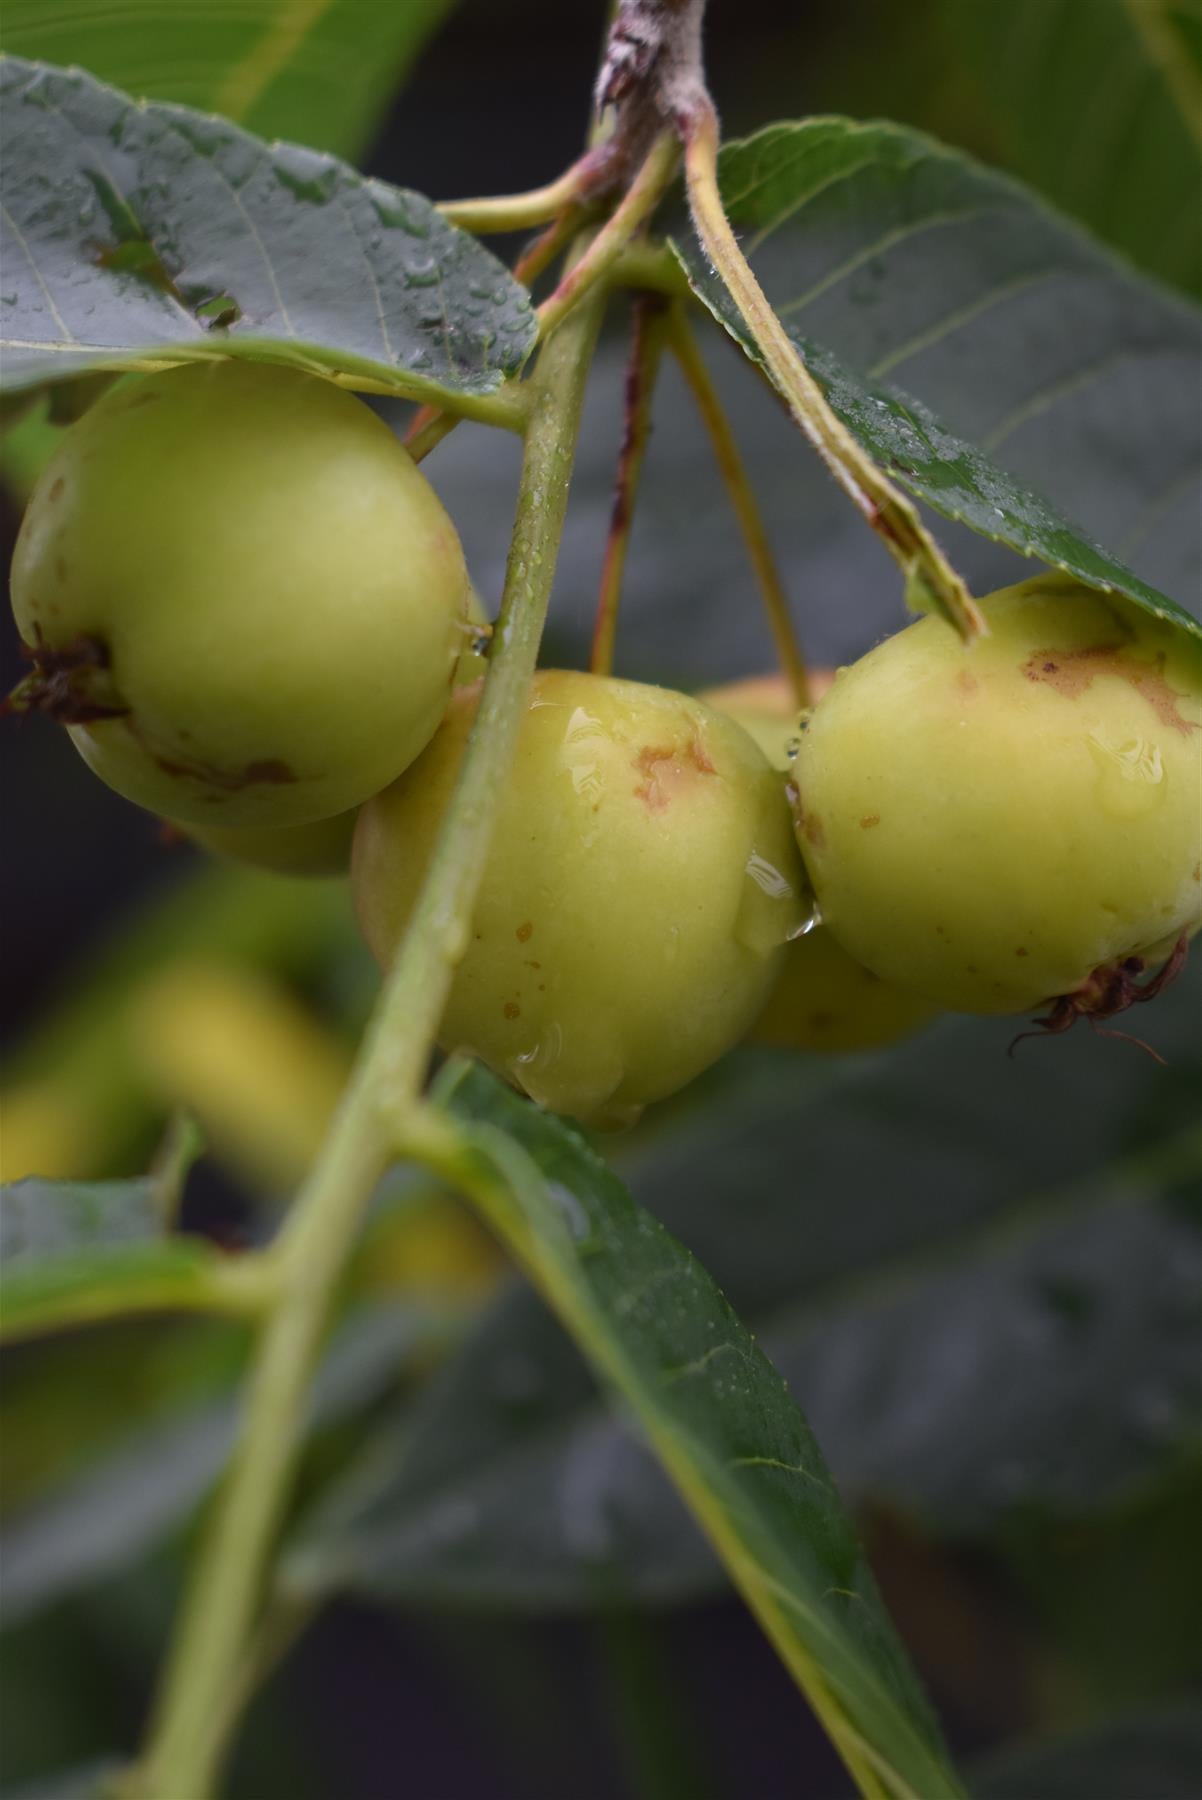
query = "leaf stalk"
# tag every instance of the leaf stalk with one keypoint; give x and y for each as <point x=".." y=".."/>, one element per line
<point x="930" y="577"/>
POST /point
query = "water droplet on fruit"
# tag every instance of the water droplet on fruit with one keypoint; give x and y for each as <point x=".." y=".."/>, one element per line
<point x="770" y="909"/>
<point x="1130" y="775"/>
<point x="579" y="753"/>
<point x="810" y="921"/>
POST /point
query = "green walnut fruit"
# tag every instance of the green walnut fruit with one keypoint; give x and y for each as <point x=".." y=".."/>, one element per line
<point x="641" y="884"/>
<point x="240" y="595"/>
<point x="988" y="824"/>
<point x="823" y="999"/>
<point x="323" y="847"/>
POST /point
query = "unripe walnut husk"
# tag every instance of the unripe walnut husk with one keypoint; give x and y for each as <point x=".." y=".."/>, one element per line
<point x="240" y="595"/>
<point x="990" y="824"/>
<point x="642" y="881"/>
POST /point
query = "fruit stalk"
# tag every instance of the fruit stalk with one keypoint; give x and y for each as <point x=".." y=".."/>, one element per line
<point x="646" y="349"/>
<point x="746" y="507"/>
<point x="313" y="1247"/>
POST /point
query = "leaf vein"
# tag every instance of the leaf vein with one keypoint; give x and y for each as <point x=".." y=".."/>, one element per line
<point x="19" y="235"/>
<point x="964" y="315"/>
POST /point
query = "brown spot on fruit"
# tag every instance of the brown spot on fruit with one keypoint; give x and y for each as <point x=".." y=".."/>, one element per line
<point x="1071" y="673"/>
<point x="55" y="490"/>
<point x="512" y="1010"/>
<point x="273" y="772"/>
<point x="812" y="830"/>
<point x="967" y="683"/>
<point x="867" y="823"/>
<point x="700" y="756"/>
<point x="525" y="932"/>
<point x="822" y="1021"/>
<point x="1020" y="951"/>
<point x="270" y="772"/>
<point x="664" y="767"/>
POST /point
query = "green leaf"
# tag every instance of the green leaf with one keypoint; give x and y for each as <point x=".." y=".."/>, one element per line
<point x="318" y="73"/>
<point x="139" y="234"/>
<point x="40" y="1220"/>
<point x="655" y="1326"/>
<point x="978" y="1319"/>
<point x="1157" y="1755"/>
<point x="1099" y="103"/>
<point x="1015" y="336"/>
<point x="77" y="1253"/>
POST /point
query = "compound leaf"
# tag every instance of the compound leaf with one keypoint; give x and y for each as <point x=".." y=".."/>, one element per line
<point x="139" y="235"/>
<point x="1030" y="358"/>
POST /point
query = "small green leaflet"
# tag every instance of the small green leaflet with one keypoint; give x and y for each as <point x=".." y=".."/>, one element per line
<point x="884" y="252"/>
<point x="138" y="234"/>
<point x="76" y="1253"/>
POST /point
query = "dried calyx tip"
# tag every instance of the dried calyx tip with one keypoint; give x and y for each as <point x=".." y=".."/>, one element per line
<point x="1109" y="991"/>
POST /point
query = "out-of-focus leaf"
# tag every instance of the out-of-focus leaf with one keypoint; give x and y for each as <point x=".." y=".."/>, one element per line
<point x="318" y="74"/>
<point x="104" y="1517"/>
<point x="1118" y="1598"/>
<point x="998" y="1313"/>
<point x="76" y="1096"/>
<point x="1098" y="102"/>
<point x="74" y="1253"/>
<point x="92" y="1782"/>
<point x="41" y="1219"/>
<point x="1155" y="1756"/>
<point x="654" y="1325"/>
<point x="139" y="234"/>
<point x="962" y="329"/>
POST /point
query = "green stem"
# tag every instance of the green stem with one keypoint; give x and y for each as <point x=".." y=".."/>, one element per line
<point x="637" y="204"/>
<point x="743" y="499"/>
<point x="227" y="1582"/>
<point x="885" y="508"/>
<point x="651" y="265"/>
<point x="521" y="212"/>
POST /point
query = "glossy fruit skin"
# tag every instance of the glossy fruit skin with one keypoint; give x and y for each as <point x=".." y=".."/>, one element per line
<point x="277" y="591"/>
<point x="641" y="884"/>
<point x="987" y="824"/>
<point x="823" y="1000"/>
<point x="322" y="847"/>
